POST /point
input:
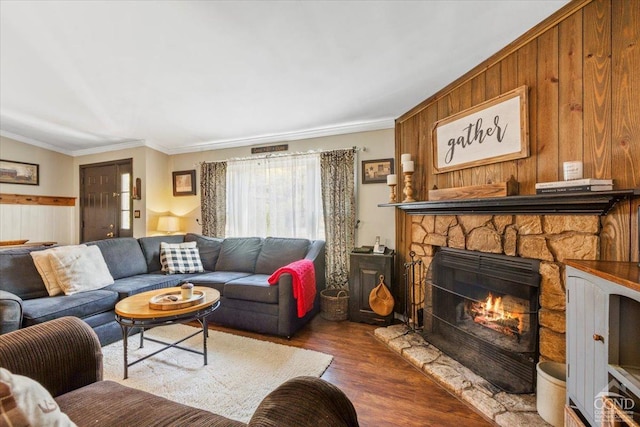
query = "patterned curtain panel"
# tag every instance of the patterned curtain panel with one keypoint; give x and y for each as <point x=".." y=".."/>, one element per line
<point x="213" y="187"/>
<point x="339" y="204"/>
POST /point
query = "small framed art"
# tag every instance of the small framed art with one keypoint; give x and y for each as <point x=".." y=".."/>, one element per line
<point x="375" y="171"/>
<point x="184" y="183"/>
<point x="12" y="172"/>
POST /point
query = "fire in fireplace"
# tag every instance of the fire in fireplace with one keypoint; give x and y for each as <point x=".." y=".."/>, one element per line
<point x="482" y="310"/>
<point x="492" y="314"/>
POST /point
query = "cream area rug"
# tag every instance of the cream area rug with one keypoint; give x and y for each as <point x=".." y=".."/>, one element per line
<point x="240" y="372"/>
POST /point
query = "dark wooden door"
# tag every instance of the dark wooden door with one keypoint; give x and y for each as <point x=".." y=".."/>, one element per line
<point x="105" y="201"/>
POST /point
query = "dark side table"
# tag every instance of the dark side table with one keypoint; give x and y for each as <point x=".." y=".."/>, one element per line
<point x="366" y="269"/>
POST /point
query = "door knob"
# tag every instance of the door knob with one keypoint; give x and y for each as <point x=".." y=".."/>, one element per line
<point x="598" y="337"/>
<point x="110" y="234"/>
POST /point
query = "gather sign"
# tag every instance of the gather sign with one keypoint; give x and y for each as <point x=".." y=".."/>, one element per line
<point x="491" y="132"/>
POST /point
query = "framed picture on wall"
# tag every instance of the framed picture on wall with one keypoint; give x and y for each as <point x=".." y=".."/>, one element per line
<point x="12" y="172"/>
<point x="375" y="171"/>
<point x="184" y="183"/>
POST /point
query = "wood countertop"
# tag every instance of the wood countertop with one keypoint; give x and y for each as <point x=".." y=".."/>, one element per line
<point x="625" y="274"/>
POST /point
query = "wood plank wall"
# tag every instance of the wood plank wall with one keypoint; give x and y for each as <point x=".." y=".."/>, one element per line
<point x="582" y="67"/>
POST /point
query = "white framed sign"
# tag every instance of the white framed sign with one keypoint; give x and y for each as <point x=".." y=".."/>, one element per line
<point x="491" y="132"/>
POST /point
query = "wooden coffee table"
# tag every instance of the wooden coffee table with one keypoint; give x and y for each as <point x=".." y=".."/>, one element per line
<point x="134" y="313"/>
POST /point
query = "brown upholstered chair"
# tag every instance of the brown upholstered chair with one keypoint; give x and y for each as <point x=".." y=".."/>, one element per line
<point x="64" y="355"/>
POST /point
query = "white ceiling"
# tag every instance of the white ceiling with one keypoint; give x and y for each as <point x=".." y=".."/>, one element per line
<point x="88" y="76"/>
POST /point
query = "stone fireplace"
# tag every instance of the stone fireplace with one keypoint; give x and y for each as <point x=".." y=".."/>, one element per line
<point x="482" y="310"/>
<point x="549" y="239"/>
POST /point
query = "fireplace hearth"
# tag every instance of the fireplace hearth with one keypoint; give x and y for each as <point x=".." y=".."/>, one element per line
<point x="481" y="309"/>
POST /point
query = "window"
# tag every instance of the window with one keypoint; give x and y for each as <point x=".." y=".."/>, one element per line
<point x="125" y="201"/>
<point x="275" y="196"/>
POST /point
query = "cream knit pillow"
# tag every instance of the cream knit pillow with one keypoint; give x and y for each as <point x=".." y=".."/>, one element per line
<point x="43" y="265"/>
<point x="80" y="269"/>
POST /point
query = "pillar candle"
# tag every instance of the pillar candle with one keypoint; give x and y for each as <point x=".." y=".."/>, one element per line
<point x="407" y="166"/>
<point x="405" y="158"/>
<point x="392" y="179"/>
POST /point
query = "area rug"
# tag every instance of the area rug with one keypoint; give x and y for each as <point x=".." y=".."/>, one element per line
<point x="240" y="372"/>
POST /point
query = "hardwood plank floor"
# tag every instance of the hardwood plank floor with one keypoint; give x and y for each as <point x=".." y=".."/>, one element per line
<point x="385" y="389"/>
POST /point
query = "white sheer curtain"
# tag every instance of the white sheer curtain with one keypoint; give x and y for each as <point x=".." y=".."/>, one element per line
<point x="276" y="196"/>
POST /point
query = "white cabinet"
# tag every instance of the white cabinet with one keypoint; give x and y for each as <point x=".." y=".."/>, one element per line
<point x="603" y="340"/>
<point x="586" y="356"/>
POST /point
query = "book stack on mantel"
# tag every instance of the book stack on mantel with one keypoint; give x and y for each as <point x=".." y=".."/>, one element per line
<point x="574" y="185"/>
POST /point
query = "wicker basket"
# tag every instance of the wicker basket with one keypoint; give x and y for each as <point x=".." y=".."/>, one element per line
<point x="334" y="304"/>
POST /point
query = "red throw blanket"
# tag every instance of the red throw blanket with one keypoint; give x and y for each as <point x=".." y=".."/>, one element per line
<point x="304" y="283"/>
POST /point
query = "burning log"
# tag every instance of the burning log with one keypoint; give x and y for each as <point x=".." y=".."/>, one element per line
<point x="491" y="314"/>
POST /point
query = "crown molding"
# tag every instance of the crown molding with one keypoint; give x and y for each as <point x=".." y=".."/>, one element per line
<point x="32" y="141"/>
<point x="387" y="123"/>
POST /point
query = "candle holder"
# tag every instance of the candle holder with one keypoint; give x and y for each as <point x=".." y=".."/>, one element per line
<point x="408" y="189"/>
<point x="392" y="193"/>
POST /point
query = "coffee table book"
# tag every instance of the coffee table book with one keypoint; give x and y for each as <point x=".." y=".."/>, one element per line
<point x="576" y="188"/>
<point x="574" y="183"/>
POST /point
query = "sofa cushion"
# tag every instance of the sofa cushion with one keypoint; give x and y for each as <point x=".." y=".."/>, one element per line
<point x="252" y="288"/>
<point x="19" y="274"/>
<point x="128" y="286"/>
<point x="277" y="252"/>
<point x="81" y="305"/>
<point x="123" y="256"/>
<point x="209" y="248"/>
<point x="216" y="279"/>
<point x="239" y="254"/>
<point x="151" y="249"/>
<point x="117" y="405"/>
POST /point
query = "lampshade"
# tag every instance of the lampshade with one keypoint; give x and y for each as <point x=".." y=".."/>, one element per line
<point x="169" y="224"/>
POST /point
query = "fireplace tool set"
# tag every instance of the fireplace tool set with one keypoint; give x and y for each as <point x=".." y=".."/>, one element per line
<point x="413" y="293"/>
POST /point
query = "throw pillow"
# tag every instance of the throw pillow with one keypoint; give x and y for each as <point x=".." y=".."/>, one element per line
<point x="80" y="270"/>
<point x="43" y="265"/>
<point x="180" y="258"/>
<point x="28" y="402"/>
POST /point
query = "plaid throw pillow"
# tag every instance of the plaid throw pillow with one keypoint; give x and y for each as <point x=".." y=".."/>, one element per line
<point x="179" y="259"/>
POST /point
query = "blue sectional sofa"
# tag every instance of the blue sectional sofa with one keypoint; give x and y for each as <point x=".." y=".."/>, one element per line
<point x="237" y="267"/>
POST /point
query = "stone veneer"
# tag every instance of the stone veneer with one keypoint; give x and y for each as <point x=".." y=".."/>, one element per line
<point x="548" y="238"/>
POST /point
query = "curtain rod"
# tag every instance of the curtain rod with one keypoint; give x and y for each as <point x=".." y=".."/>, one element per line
<point x="270" y="155"/>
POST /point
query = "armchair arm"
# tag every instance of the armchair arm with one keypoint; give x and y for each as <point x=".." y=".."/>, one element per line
<point x="10" y="312"/>
<point x="63" y="354"/>
<point x="304" y="401"/>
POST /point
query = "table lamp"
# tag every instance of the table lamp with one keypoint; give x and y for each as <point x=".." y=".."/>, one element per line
<point x="169" y="224"/>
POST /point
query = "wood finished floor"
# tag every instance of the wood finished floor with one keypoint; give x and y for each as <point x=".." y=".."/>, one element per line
<point x="385" y="389"/>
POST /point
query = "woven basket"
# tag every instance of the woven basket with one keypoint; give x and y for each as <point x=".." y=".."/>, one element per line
<point x="334" y="304"/>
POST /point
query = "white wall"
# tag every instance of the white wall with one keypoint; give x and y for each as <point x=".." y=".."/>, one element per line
<point x="38" y="223"/>
<point x="374" y="221"/>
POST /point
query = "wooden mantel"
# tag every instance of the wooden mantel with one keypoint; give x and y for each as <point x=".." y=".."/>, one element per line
<point x="595" y="203"/>
<point x="32" y="199"/>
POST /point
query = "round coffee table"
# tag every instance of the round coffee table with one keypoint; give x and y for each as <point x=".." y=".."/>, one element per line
<point x="134" y="312"/>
